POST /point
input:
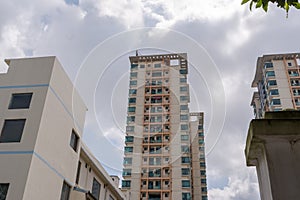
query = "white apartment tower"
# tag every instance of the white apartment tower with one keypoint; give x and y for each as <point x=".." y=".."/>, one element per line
<point x="278" y="82"/>
<point x="164" y="145"/>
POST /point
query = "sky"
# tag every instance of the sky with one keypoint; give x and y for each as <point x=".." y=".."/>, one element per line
<point x="93" y="39"/>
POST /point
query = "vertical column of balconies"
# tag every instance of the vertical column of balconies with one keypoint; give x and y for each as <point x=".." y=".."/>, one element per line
<point x="155" y="180"/>
<point x="293" y="71"/>
<point x="130" y="138"/>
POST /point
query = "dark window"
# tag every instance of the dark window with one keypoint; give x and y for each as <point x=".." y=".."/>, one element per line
<point x="185" y="171"/>
<point x="184" y="107"/>
<point x="185" y="160"/>
<point x="129" y="139"/>
<point x="132" y="100"/>
<point x="12" y="130"/>
<point x="126" y="184"/>
<point x="186" y="196"/>
<point x="96" y="189"/>
<point x="65" y="192"/>
<point x="3" y="190"/>
<point x="185" y="183"/>
<point x="128" y="149"/>
<point x="74" y="140"/>
<point x="127" y="161"/>
<point x="20" y="101"/>
<point x="78" y="172"/>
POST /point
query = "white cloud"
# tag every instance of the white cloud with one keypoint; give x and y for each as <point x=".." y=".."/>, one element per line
<point x="238" y="188"/>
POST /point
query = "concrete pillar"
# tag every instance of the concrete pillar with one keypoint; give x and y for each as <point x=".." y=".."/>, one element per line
<point x="273" y="146"/>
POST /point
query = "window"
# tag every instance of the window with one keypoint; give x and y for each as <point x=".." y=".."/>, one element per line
<point x="133" y="82"/>
<point x="184" y="137"/>
<point x="268" y="65"/>
<point x="204" y="189"/>
<point x="133" y="74"/>
<point x="157" y="65"/>
<point x="126" y="172"/>
<point x="74" y="140"/>
<point x="201" y="141"/>
<point x="184" y="98"/>
<point x="272" y="83"/>
<point x="65" y="191"/>
<point x="20" y="101"/>
<point x="200" y="134"/>
<point x="129" y="128"/>
<point x="186" y="196"/>
<point x="183" y="71"/>
<point x="129" y="139"/>
<point x="182" y="80"/>
<point x="184" y="107"/>
<point x="185" y="160"/>
<point x="12" y="130"/>
<point x="134" y="65"/>
<point x="202" y="172"/>
<point x="3" y="190"/>
<point x="274" y="92"/>
<point x="185" y="149"/>
<point x="184" y="117"/>
<point x="185" y="171"/>
<point x="270" y="74"/>
<point x="96" y="189"/>
<point x="128" y="149"/>
<point x="185" y="183"/>
<point x="289" y="64"/>
<point x="183" y="89"/>
<point x="156" y="74"/>
<point x="202" y="164"/>
<point x="132" y="91"/>
<point x="275" y="102"/>
<point x="126" y="184"/>
<point x="142" y="66"/>
<point x="78" y="172"/>
<point x="184" y="127"/>
<point x="132" y="100"/>
<point x="127" y="161"/>
<point x="131" y="109"/>
<point x="200" y="127"/>
<point x="130" y="119"/>
<point x="203" y="181"/>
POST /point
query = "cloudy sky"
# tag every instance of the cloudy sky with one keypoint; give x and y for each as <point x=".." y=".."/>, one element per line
<point x="227" y="37"/>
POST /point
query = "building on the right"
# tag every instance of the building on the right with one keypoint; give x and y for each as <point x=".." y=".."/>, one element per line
<point x="278" y="82"/>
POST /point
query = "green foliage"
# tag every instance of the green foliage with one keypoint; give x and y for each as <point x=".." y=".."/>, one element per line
<point x="264" y="4"/>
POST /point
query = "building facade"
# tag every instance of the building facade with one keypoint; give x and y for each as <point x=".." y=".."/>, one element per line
<point x="41" y="123"/>
<point x="278" y="82"/>
<point x="164" y="144"/>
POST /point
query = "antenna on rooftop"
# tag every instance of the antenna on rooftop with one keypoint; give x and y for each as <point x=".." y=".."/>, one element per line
<point x="136" y="53"/>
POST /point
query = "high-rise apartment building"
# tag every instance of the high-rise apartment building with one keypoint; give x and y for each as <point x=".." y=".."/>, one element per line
<point x="164" y="144"/>
<point x="278" y="82"/>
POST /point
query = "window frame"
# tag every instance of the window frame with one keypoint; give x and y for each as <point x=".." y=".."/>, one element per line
<point x="6" y="132"/>
<point x="11" y="105"/>
<point x="6" y="188"/>
<point x="76" y="142"/>
<point x="96" y="194"/>
<point x="63" y="195"/>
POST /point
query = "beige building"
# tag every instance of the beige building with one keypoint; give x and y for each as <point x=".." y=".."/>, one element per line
<point x="41" y="123"/>
<point x="164" y="145"/>
<point x="278" y="82"/>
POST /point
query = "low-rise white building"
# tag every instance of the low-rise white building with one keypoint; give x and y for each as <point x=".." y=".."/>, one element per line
<point x="41" y="122"/>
